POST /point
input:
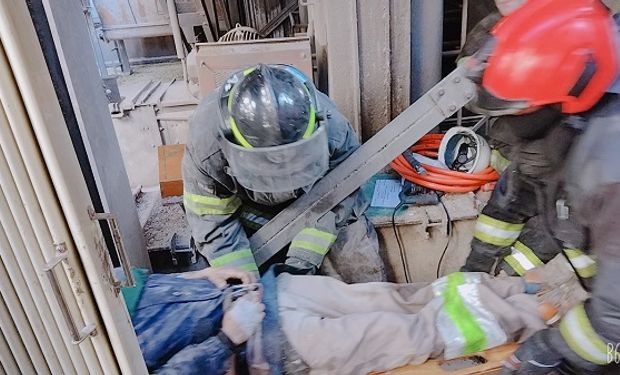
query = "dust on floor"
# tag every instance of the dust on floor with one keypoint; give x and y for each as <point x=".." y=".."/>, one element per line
<point x="160" y="72"/>
<point x="161" y="218"/>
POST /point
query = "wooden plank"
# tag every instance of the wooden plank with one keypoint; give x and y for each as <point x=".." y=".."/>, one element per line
<point x="493" y="365"/>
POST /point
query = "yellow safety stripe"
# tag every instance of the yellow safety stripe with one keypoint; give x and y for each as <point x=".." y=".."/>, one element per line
<point x="237" y="133"/>
<point x="209" y="199"/>
<point x="229" y="258"/>
<point x="320" y="234"/>
<point x="497" y="241"/>
<point x="311" y="123"/>
<point x="496" y="232"/>
<point x="498" y="161"/>
<point x="311" y="119"/>
<point x="578" y="333"/>
<point x="473" y="335"/>
<point x="522" y="259"/>
<point x="210" y="205"/>
<point x="504" y="225"/>
<point x="583" y="263"/>
<point x="307" y="245"/>
<point x="249" y="267"/>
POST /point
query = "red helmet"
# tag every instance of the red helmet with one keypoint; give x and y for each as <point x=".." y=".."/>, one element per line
<point x="547" y="52"/>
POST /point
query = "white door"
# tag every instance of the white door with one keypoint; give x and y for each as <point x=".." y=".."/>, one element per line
<point x="60" y="308"/>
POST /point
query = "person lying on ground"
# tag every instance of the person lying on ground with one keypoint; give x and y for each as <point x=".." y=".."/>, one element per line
<point x="193" y="323"/>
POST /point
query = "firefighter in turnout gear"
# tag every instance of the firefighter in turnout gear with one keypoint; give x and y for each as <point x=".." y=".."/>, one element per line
<point x="547" y="73"/>
<point x="260" y="141"/>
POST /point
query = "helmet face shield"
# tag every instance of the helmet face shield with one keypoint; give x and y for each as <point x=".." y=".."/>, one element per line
<point x="269" y="105"/>
<point x="278" y="169"/>
<point x="271" y="136"/>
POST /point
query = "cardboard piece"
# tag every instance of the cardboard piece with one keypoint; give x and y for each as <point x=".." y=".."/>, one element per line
<point x="170" y="175"/>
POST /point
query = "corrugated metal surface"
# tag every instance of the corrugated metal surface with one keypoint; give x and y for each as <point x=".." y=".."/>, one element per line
<point x="44" y="214"/>
<point x="27" y="247"/>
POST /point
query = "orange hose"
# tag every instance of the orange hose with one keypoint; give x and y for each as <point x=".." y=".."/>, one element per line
<point x="445" y="180"/>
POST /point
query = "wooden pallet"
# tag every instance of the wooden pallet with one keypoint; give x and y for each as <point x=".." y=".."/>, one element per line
<point x="493" y="364"/>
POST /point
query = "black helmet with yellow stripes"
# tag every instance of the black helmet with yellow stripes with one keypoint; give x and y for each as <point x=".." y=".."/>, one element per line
<point x="269" y="105"/>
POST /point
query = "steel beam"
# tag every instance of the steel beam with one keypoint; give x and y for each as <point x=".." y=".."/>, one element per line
<point x="441" y="102"/>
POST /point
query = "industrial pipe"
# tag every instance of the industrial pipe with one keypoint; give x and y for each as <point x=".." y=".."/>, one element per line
<point x="176" y="34"/>
<point x="426" y="45"/>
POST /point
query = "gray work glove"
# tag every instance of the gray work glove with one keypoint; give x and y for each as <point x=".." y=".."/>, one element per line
<point x="300" y="260"/>
<point x="534" y="357"/>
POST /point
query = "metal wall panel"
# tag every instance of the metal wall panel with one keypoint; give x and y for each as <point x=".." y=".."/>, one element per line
<point x="15" y="327"/>
<point x="92" y="118"/>
<point x="44" y="206"/>
<point x="363" y="57"/>
<point x="7" y="361"/>
<point x="216" y="61"/>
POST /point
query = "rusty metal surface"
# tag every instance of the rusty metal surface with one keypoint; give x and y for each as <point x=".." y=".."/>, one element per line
<point x="216" y="61"/>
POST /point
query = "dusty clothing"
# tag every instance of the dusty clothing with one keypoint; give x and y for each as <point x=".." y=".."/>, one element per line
<point x="517" y="143"/>
<point x="359" y="328"/>
<point x="512" y="230"/>
<point x="177" y="322"/>
<point x="592" y="191"/>
<point x="577" y="201"/>
<point x="326" y="326"/>
<point x="223" y="214"/>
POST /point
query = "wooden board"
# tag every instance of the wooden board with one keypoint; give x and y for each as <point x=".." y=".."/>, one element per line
<point x="170" y="176"/>
<point x="494" y="358"/>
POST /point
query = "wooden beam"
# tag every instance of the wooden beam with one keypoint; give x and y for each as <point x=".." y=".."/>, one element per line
<point x="493" y="365"/>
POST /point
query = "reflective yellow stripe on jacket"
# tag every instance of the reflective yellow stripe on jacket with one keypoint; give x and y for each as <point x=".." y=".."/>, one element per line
<point x="584" y="264"/>
<point x="522" y="259"/>
<point x="464" y="322"/>
<point x="578" y="333"/>
<point x="210" y="204"/>
<point x="497" y="232"/>
<point x="242" y="259"/>
<point x="311" y="245"/>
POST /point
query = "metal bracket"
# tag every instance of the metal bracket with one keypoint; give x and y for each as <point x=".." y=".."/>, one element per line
<point x="119" y="246"/>
<point x="77" y="335"/>
<point x="441" y="102"/>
